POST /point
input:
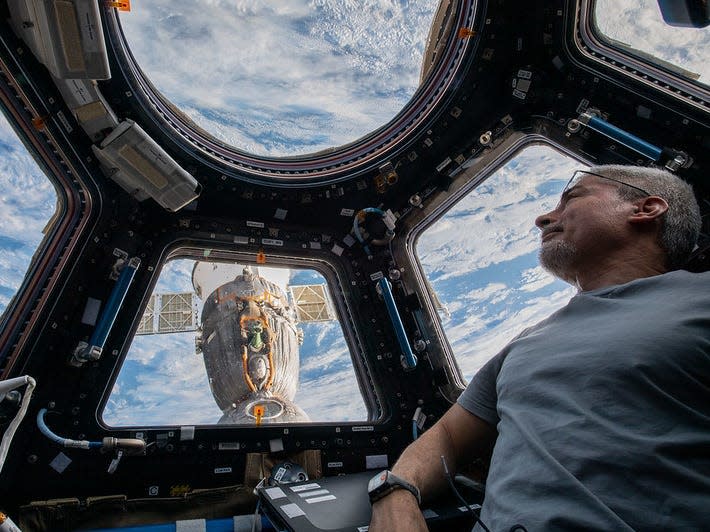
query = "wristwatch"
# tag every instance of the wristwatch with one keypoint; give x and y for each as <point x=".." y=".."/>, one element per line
<point x="386" y="482"/>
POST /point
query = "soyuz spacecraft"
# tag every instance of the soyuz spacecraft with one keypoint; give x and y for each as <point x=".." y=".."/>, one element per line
<point x="250" y="343"/>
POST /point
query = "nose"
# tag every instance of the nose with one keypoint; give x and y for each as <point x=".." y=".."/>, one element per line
<point x="544" y="220"/>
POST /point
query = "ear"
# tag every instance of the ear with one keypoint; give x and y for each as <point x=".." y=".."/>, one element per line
<point x="648" y="209"/>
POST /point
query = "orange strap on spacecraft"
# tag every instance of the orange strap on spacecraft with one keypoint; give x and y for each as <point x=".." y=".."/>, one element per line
<point x="121" y="5"/>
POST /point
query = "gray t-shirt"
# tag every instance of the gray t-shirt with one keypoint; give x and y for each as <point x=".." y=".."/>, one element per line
<point x="603" y="412"/>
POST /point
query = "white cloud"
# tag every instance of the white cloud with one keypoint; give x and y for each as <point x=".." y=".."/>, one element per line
<point x="534" y="279"/>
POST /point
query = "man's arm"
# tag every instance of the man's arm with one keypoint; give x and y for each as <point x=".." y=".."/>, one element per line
<point x="458" y="436"/>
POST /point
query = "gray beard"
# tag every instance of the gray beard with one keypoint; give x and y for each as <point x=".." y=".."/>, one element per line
<point x="557" y="258"/>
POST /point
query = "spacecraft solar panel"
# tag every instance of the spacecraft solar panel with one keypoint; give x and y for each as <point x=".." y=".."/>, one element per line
<point x="311" y="302"/>
<point x="170" y="313"/>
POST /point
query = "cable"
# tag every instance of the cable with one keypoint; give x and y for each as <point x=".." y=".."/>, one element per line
<point x="256" y="516"/>
<point x="459" y="497"/>
<point x="387" y="219"/>
<point x="64" y="442"/>
<point x="10" y="432"/>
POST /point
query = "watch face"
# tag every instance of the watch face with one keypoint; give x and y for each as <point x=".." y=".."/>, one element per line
<point x="377" y="481"/>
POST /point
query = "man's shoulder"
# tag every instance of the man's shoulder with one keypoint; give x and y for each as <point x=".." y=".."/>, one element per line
<point x="668" y="281"/>
<point x="682" y="278"/>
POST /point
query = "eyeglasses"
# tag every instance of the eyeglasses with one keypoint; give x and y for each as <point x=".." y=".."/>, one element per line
<point x="579" y="174"/>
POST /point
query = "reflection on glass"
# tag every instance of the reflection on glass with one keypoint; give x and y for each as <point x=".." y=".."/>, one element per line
<point x="491" y="286"/>
<point x="27" y="202"/>
<point x="638" y="27"/>
<point x="269" y="350"/>
<point x="282" y="78"/>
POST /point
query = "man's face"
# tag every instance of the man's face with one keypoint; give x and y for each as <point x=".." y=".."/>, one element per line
<point x="588" y="223"/>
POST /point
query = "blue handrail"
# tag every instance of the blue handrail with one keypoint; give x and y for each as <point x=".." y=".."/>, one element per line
<point x="409" y="360"/>
<point x="622" y="137"/>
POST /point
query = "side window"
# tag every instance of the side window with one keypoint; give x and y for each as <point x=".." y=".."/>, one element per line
<point x="227" y="343"/>
<point x="28" y="201"/>
<point x="481" y="257"/>
<point x="637" y="27"/>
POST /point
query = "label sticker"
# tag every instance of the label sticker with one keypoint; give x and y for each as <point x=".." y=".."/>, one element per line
<point x="333" y="465"/>
<point x="258" y="225"/>
<point x="368" y="428"/>
<point x="305" y="487"/>
<point x="292" y="510"/>
<point x="524" y="74"/>
<point x="187" y="433"/>
<point x="272" y="242"/>
<point x="228" y="446"/>
<point x="280" y="474"/>
<point x="347" y="212"/>
<point x="222" y="470"/>
<point x="191" y="525"/>
<point x="60" y="462"/>
<point x="321" y="499"/>
<point x="376" y="461"/>
<point x="91" y="311"/>
<point x="275" y="493"/>
<point x="315" y="493"/>
<point x="65" y="122"/>
<point x="446" y="162"/>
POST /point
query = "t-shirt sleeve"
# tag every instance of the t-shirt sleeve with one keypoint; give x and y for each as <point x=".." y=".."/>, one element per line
<point x="480" y="396"/>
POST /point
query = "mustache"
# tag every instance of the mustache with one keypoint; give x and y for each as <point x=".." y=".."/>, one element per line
<point x="551" y="229"/>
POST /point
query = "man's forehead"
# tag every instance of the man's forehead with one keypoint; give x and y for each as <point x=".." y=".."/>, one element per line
<point x="583" y="183"/>
<point x="586" y="181"/>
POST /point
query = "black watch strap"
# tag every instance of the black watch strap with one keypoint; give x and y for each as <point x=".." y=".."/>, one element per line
<point x="386" y="482"/>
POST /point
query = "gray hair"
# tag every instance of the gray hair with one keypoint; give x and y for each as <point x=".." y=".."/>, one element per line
<point x="680" y="225"/>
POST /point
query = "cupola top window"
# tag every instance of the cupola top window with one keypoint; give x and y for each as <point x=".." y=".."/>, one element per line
<point x="282" y="78"/>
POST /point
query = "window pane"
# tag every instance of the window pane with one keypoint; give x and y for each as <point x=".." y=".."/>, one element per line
<point x="282" y="78"/>
<point x="250" y="364"/>
<point x="638" y="27"/>
<point x="27" y="201"/>
<point x="492" y="286"/>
